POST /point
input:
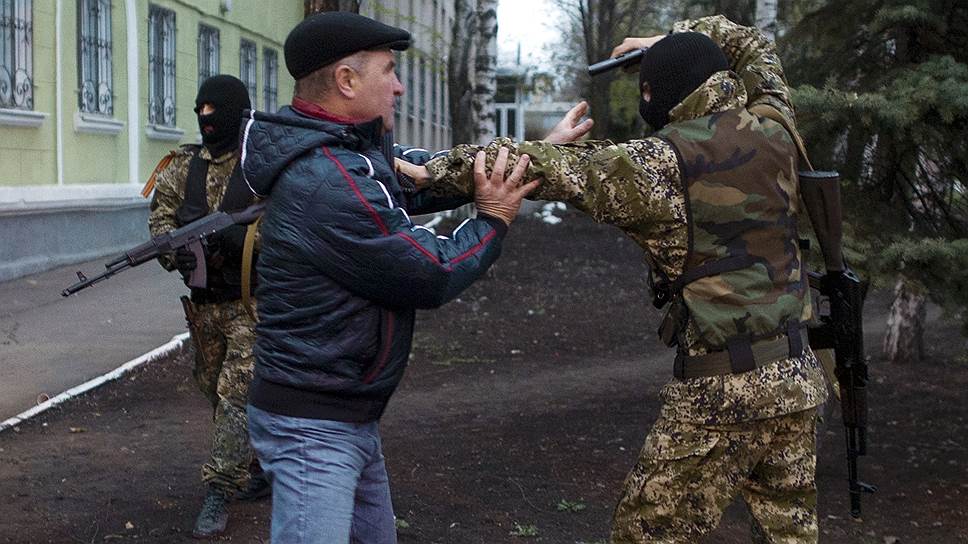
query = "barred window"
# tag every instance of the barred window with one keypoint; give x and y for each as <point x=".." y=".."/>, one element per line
<point x="247" y="60"/>
<point x="208" y="51"/>
<point x="161" y="66"/>
<point x="16" y="54"/>
<point x="94" y="56"/>
<point x="270" y="78"/>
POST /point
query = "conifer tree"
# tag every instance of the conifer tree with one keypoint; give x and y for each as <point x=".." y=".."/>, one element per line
<point x="884" y="99"/>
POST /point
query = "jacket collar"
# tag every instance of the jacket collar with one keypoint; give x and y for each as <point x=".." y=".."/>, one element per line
<point x="721" y="92"/>
<point x="311" y="109"/>
<point x="356" y="132"/>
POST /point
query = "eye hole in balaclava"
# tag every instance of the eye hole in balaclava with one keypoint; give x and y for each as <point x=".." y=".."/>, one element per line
<point x="220" y="129"/>
<point x="673" y="68"/>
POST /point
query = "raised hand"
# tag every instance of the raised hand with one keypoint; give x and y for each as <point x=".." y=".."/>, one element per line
<point x="569" y="128"/>
<point x="630" y="43"/>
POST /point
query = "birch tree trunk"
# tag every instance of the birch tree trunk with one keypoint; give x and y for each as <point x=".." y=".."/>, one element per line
<point x="904" y="341"/>
<point x="485" y="72"/>
<point x="460" y="67"/>
<point x="766" y="17"/>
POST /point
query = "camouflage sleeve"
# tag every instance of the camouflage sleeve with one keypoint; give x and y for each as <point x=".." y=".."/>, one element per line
<point x="751" y="55"/>
<point x="165" y="202"/>
<point x="625" y="184"/>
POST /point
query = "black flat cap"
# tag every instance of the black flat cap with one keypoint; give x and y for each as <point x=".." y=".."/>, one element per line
<point x="329" y="36"/>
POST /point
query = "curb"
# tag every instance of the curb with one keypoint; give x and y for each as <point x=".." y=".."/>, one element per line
<point x="175" y="344"/>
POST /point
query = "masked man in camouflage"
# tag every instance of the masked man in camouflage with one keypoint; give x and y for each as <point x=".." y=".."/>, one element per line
<point x="196" y="181"/>
<point x="712" y="197"/>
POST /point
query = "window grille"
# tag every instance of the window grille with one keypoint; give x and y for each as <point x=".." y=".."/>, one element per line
<point x="16" y="54"/>
<point x="208" y="52"/>
<point x="161" y="66"/>
<point x="94" y="56"/>
<point x="270" y="77"/>
<point x="247" y="60"/>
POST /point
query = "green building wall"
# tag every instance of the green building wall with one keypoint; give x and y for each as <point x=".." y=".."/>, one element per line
<point x="28" y="155"/>
<point x="68" y="192"/>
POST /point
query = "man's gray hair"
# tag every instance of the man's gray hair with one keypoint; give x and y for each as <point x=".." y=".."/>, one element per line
<point x="320" y="83"/>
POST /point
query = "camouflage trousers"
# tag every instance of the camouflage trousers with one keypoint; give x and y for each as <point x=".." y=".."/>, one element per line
<point x="224" y="337"/>
<point x="687" y="474"/>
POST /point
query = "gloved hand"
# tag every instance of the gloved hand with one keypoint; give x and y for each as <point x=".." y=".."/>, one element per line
<point x="186" y="262"/>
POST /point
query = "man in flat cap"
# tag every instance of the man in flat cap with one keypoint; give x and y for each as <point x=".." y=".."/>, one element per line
<point x="341" y="272"/>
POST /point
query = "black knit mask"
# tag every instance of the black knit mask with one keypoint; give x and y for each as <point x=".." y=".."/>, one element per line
<point x="220" y="129"/>
<point x="675" y="67"/>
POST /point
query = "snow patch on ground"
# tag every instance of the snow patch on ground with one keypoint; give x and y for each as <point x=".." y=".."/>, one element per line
<point x="547" y="212"/>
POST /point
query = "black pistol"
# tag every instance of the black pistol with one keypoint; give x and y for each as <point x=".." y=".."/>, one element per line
<point x="625" y="59"/>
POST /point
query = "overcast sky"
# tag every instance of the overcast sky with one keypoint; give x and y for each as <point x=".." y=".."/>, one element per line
<point x="532" y="24"/>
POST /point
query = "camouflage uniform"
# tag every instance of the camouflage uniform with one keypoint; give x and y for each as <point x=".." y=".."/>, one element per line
<point x="751" y="432"/>
<point x="225" y="330"/>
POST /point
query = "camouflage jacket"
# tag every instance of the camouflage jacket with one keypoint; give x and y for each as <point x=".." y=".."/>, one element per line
<point x="638" y="187"/>
<point x="169" y="190"/>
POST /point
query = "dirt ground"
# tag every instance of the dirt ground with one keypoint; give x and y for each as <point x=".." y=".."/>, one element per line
<point x="525" y="405"/>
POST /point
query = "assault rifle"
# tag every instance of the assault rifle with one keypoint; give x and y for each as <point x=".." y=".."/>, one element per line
<point x="841" y="326"/>
<point x="191" y="236"/>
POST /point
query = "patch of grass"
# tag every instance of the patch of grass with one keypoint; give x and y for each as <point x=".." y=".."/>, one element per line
<point x="565" y="505"/>
<point x="401" y="523"/>
<point x="525" y="531"/>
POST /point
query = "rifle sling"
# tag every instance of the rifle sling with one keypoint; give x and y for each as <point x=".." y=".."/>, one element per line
<point x="248" y="253"/>
<point x="828" y="363"/>
<point x="770" y="112"/>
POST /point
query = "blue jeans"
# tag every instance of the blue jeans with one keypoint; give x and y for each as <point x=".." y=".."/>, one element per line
<point x="329" y="480"/>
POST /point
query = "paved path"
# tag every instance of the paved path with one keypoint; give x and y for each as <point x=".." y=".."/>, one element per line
<point x="49" y="343"/>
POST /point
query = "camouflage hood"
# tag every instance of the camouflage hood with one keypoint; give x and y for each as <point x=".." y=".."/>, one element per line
<point x="722" y="91"/>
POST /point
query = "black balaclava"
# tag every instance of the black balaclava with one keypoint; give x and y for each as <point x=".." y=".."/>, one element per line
<point x="220" y="130"/>
<point x="675" y="67"/>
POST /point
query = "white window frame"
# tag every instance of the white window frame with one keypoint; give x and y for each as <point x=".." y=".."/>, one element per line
<point x="161" y="66"/>
<point x="16" y="55"/>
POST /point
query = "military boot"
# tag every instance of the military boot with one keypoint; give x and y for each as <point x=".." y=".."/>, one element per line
<point x="214" y="515"/>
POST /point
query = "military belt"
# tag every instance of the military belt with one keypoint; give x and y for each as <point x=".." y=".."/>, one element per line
<point x="741" y="356"/>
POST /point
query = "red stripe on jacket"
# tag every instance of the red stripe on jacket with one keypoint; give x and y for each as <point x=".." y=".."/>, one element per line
<point x="359" y="194"/>
<point x="386" y="231"/>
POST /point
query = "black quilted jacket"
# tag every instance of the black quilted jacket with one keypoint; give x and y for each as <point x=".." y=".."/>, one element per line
<point x="342" y="266"/>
